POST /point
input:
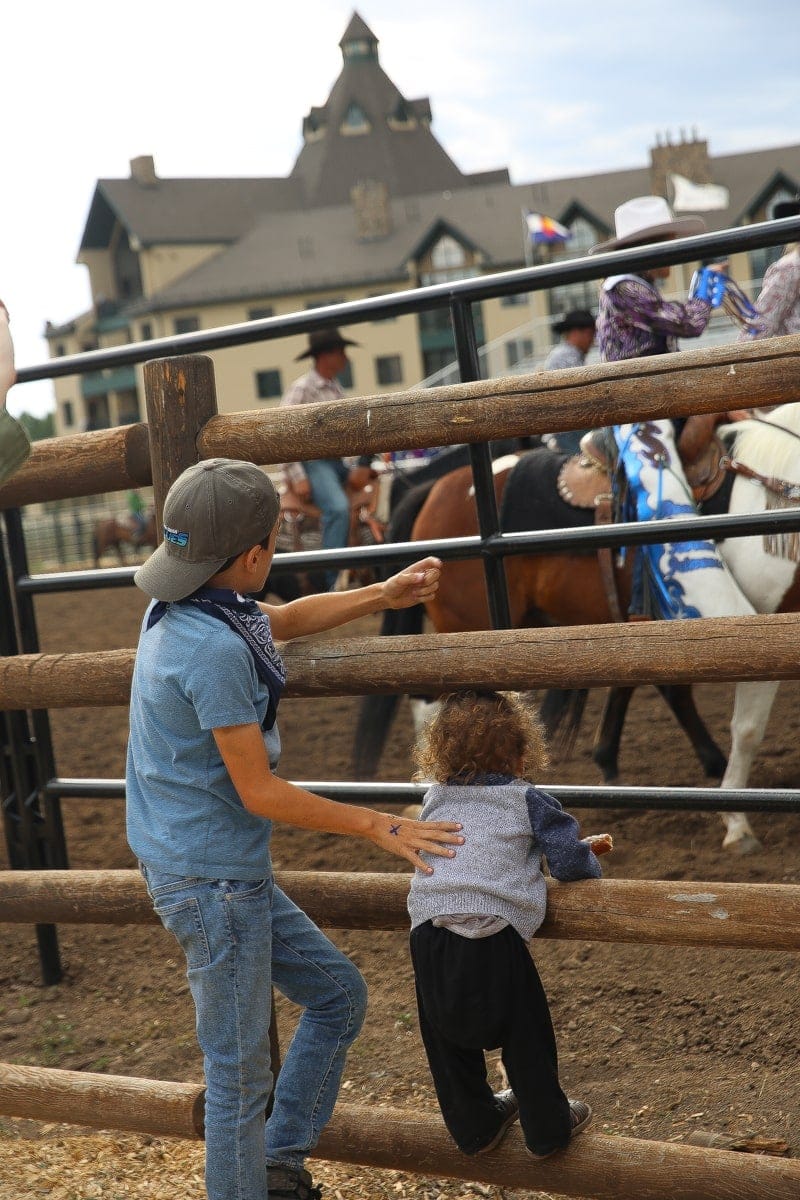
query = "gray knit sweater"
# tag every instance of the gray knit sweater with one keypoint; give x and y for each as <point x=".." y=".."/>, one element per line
<point x="508" y="825"/>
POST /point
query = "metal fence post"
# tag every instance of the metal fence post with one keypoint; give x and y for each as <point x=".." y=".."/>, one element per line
<point x="481" y="460"/>
<point x="31" y="816"/>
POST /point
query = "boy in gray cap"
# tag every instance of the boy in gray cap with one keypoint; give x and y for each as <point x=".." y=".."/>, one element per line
<point x="14" y="444"/>
<point x="201" y="797"/>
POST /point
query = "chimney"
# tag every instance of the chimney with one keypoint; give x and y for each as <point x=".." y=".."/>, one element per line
<point x="143" y="171"/>
<point x="370" y="200"/>
<point x="688" y="157"/>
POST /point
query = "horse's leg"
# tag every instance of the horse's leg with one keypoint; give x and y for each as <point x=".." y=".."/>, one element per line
<point x="605" y="751"/>
<point x="422" y="709"/>
<point x="751" y="709"/>
<point x="680" y="699"/>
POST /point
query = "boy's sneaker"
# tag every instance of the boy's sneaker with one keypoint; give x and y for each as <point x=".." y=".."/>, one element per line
<point x="285" y="1184"/>
<point x="506" y="1103"/>
<point x="580" y="1114"/>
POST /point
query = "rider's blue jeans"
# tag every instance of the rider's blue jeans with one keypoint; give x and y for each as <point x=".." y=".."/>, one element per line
<point x="239" y="937"/>
<point x="327" y="477"/>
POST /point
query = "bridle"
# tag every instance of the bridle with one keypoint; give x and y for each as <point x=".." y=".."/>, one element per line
<point x="788" y="492"/>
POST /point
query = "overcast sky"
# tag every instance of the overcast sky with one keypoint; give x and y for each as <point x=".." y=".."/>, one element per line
<point x="220" y="90"/>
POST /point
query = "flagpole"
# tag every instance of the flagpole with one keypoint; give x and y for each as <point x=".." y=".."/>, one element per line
<point x="528" y="241"/>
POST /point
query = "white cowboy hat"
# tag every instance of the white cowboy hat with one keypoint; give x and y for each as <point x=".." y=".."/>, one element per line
<point x="648" y="219"/>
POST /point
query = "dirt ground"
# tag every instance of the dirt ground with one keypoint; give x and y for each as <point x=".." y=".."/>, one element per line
<point x="661" y="1041"/>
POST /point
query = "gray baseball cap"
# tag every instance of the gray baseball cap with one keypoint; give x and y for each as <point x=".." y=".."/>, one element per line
<point x="215" y="509"/>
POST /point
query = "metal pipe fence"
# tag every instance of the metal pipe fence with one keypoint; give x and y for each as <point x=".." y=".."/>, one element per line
<point x="30" y="786"/>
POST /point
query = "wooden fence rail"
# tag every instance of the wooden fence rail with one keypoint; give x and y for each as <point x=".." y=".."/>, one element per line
<point x="600" y="1166"/>
<point x="700" y="651"/>
<point x="706" y="380"/>
<point x="754" y="916"/>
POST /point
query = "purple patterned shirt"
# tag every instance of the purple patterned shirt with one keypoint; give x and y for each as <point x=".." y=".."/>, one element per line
<point x="779" y="302"/>
<point x="634" y="321"/>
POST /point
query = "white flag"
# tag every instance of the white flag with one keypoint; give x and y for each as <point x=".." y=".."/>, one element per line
<point x="697" y="197"/>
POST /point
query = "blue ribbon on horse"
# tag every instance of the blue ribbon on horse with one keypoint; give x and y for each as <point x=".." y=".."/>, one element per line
<point x="247" y="620"/>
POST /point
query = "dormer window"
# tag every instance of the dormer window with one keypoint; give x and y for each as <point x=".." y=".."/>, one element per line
<point x="447" y="254"/>
<point x="358" y="48"/>
<point x="402" y="117"/>
<point x="355" y="120"/>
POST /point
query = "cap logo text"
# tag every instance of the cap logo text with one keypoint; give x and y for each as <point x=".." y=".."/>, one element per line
<point x="176" y="536"/>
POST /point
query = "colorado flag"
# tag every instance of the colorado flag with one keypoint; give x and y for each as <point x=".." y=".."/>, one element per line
<point x="545" y="229"/>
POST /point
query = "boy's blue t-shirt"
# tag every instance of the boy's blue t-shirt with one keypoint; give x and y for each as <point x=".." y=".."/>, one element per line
<point x="193" y="674"/>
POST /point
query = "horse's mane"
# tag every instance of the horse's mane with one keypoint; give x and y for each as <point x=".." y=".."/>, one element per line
<point x="770" y="451"/>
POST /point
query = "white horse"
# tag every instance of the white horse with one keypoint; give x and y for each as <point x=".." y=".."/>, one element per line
<point x="765" y="569"/>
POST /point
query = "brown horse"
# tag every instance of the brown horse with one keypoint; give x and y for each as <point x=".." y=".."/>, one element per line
<point x="546" y="589"/>
<point x="110" y="534"/>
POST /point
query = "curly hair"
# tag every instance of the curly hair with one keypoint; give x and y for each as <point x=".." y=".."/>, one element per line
<point x="476" y="733"/>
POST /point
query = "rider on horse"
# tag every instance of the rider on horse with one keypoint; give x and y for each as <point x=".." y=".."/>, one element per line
<point x="635" y="322"/>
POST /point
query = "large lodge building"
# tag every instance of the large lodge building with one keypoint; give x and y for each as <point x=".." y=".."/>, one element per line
<point x="373" y="205"/>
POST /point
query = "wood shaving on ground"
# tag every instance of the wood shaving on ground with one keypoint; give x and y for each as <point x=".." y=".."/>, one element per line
<point x="62" y="1165"/>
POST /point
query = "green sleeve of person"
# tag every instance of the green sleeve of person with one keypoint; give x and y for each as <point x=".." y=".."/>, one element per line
<point x="15" y="445"/>
<point x="135" y="504"/>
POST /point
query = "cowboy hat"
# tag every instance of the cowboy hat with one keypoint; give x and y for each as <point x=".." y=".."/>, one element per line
<point x="647" y="219"/>
<point x="322" y="340"/>
<point x="576" y="318"/>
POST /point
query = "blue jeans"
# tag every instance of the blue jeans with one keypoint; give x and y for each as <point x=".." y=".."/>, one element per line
<point x="239" y="937"/>
<point x="327" y="477"/>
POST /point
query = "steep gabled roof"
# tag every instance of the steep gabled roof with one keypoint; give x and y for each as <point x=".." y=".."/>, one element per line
<point x="184" y="210"/>
<point x="395" y="146"/>
<point x="295" y="252"/>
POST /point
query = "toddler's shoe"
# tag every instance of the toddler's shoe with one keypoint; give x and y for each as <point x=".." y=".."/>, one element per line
<point x="508" y="1108"/>
<point x="580" y="1114"/>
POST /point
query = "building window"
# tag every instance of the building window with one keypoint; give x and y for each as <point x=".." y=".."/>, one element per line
<point x="268" y="384"/>
<point x="514" y="301"/>
<point x="146" y="331"/>
<point x="355" y="120"/>
<point x="389" y="369"/>
<point x="436" y="360"/>
<point x="260" y="314"/>
<point x="517" y="350"/>
<point x="67" y="414"/>
<point x="186" y="324"/>
<point x="324" y="303"/>
<point x="61" y="349"/>
<point x="447" y="254"/>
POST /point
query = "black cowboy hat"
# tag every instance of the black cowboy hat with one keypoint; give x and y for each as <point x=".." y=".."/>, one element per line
<point x="787" y="208"/>
<point x="576" y="318"/>
<point x="322" y="340"/>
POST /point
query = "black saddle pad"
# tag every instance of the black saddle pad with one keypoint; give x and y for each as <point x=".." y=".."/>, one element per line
<point x="531" y="499"/>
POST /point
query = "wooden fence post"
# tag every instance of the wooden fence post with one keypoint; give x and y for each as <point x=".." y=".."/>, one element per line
<point x="181" y="397"/>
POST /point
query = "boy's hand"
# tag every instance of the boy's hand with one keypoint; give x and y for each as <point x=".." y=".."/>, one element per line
<point x="413" y="585"/>
<point x="408" y="838"/>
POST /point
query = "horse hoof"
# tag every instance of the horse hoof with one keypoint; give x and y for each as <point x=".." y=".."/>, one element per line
<point x="747" y="843"/>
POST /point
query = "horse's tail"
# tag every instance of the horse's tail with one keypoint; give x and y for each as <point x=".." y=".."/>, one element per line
<point x="376" y="713"/>
<point x="561" y="713"/>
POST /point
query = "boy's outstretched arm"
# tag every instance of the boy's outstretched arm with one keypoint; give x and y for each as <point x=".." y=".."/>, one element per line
<point x="245" y="756"/>
<point x="314" y="614"/>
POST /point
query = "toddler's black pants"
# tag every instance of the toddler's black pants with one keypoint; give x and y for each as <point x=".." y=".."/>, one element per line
<point x="476" y="994"/>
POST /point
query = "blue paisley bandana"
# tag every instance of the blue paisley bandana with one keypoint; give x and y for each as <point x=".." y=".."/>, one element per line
<point x="246" y="619"/>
